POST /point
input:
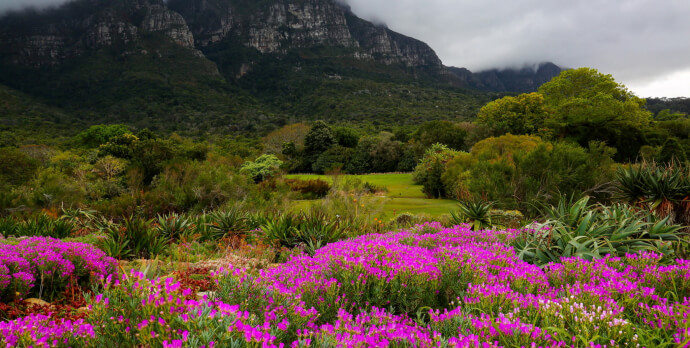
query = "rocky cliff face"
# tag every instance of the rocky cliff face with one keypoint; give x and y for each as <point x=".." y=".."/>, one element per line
<point x="260" y="26"/>
<point x="50" y="37"/>
<point x="281" y="25"/>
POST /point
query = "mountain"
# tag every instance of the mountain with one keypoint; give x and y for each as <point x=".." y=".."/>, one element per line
<point x="234" y="65"/>
<point x="523" y="80"/>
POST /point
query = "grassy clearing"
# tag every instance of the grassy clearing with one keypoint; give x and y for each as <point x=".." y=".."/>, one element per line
<point x="403" y="195"/>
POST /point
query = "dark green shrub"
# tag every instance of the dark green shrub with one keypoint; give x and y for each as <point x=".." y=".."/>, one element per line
<point x="310" y="189"/>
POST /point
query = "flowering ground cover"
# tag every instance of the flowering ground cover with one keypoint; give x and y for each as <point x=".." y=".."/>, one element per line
<point x="425" y="287"/>
<point x="43" y="267"/>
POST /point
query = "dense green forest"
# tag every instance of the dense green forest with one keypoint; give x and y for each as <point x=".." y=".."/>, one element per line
<point x="567" y="139"/>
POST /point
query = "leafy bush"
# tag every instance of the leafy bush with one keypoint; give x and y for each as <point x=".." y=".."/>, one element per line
<point x="430" y="169"/>
<point x="578" y="229"/>
<point x="262" y="168"/>
<point x="518" y="171"/>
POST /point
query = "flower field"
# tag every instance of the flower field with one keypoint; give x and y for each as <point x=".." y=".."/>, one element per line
<point x="427" y="286"/>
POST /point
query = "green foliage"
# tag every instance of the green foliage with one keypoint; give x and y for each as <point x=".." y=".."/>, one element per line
<point x="201" y="185"/>
<point x="98" y="135"/>
<point x="672" y="151"/>
<point x="332" y="159"/>
<point x="441" y="132"/>
<point x="16" y="167"/>
<point x="319" y="139"/>
<point x="516" y="171"/>
<point x="346" y="136"/>
<point x="262" y="168"/>
<point x="430" y="169"/>
<point x="134" y="238"/>
<point x="590" y="106"/>
<point x="41" y="225"/>
<point x="578" y="229"/>
<point x="522" y="114"/>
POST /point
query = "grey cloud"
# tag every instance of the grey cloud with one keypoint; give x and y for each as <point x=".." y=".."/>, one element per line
<point x="634" y="40"/>
<point x="9" y="5"/>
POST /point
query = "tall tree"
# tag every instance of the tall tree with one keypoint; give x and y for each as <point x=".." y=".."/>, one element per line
<point x="319" y="139"/>
<point x="591" y="106"/>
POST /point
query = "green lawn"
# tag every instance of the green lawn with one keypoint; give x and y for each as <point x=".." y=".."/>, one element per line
<point x="403" y="195"/>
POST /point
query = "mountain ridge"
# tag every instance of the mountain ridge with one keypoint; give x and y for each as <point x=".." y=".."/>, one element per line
<point x="234" y="61"/>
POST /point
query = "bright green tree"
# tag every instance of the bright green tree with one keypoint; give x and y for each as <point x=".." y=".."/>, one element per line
<point x="590" y="106"/>
<point x="262" y="168"/>
<point x="522" y="114"/>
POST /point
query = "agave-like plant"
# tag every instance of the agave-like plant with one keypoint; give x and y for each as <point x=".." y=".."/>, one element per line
<point x="227" y="222"/>
<point x="282" y="230"/>
<point x="477" y="214"/>
<point x="317" y="229"/>
<point x="662" y="189"/>
<point x="578" y="229"/>
<point x="174" y="226"/>
<point x="135" y="238"/>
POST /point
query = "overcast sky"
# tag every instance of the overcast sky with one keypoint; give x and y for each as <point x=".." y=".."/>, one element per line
<point x="644" y="44"/>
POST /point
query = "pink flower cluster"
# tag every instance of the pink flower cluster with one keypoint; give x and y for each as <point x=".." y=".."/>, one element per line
<point x="23" y="266"/>
<point x="40" y="331"/>
<point x="426" y="287"/>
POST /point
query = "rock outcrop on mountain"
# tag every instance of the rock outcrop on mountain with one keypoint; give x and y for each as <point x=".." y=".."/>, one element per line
<point x="282" y="25"/>
<point x="53" y="36"/>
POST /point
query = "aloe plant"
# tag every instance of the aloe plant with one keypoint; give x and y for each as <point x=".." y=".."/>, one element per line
<point x="318" y="229"/>
<point x="227" y="222"/>
<point x="477" y="214"/>
<point x="282" y="230"/>
<point x="135" y="238"/>
<point x="173" y="226"/>
<point x="662" y="189"/>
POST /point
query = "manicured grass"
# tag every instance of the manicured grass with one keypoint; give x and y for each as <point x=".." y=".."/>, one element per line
<point x="403" y="195"/>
